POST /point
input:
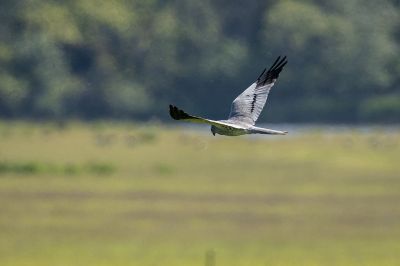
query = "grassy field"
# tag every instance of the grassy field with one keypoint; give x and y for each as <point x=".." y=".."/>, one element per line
<point x="121" y="194"/>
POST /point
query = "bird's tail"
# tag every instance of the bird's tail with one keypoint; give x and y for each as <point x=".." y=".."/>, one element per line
<point x="260" y="130"/>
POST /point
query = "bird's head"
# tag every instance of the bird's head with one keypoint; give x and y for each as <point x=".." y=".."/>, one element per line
<point x="213" y="130"/>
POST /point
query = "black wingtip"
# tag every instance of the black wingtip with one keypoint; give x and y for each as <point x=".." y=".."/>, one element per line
<point x="273" y="71"/>
<point x="177" y="113"/>
<point x="273" y="65"/>
<point x="173" y="111"/>
<point x="282" y="63"/>
<point x="262" y="73"/>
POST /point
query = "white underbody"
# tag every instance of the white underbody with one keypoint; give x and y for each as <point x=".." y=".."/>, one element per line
<point x="226" y="128"/>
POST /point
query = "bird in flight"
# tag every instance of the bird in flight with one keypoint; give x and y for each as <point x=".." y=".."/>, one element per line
<point x="245" y="109"/>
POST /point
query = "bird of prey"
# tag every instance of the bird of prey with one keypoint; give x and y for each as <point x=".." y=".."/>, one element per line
<point x="245" y="108"/>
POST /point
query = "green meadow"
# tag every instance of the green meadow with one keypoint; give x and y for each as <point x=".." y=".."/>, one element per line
<point x="137" y="194"/>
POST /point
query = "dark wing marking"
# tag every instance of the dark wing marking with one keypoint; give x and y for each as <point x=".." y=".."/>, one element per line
<point x="248" y="106"/>
<point x="179" y="114"/>
<point x="273" y="72"/>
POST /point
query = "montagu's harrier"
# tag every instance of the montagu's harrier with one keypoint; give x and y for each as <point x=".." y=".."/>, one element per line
<point x="245" y="108"/>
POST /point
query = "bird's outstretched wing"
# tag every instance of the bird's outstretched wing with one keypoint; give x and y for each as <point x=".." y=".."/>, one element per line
<point x="179" y="114"/>
<point x="247" y="106"/>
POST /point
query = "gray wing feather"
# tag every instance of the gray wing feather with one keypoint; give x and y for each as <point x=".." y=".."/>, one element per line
<point x="247" y="106"/>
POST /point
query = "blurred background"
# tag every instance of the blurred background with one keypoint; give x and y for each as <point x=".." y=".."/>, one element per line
<point x="94" y="172"/>
<point x="129" y="59"/>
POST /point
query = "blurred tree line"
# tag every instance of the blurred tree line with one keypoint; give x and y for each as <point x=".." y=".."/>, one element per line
<point x="129" y="59"/>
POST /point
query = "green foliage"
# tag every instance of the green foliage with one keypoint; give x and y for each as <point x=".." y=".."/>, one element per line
<point x="381" y="109"/>
<point x="94" y="59"/>
<point x="12" y="92"/>
<point x="339" y="52"/>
